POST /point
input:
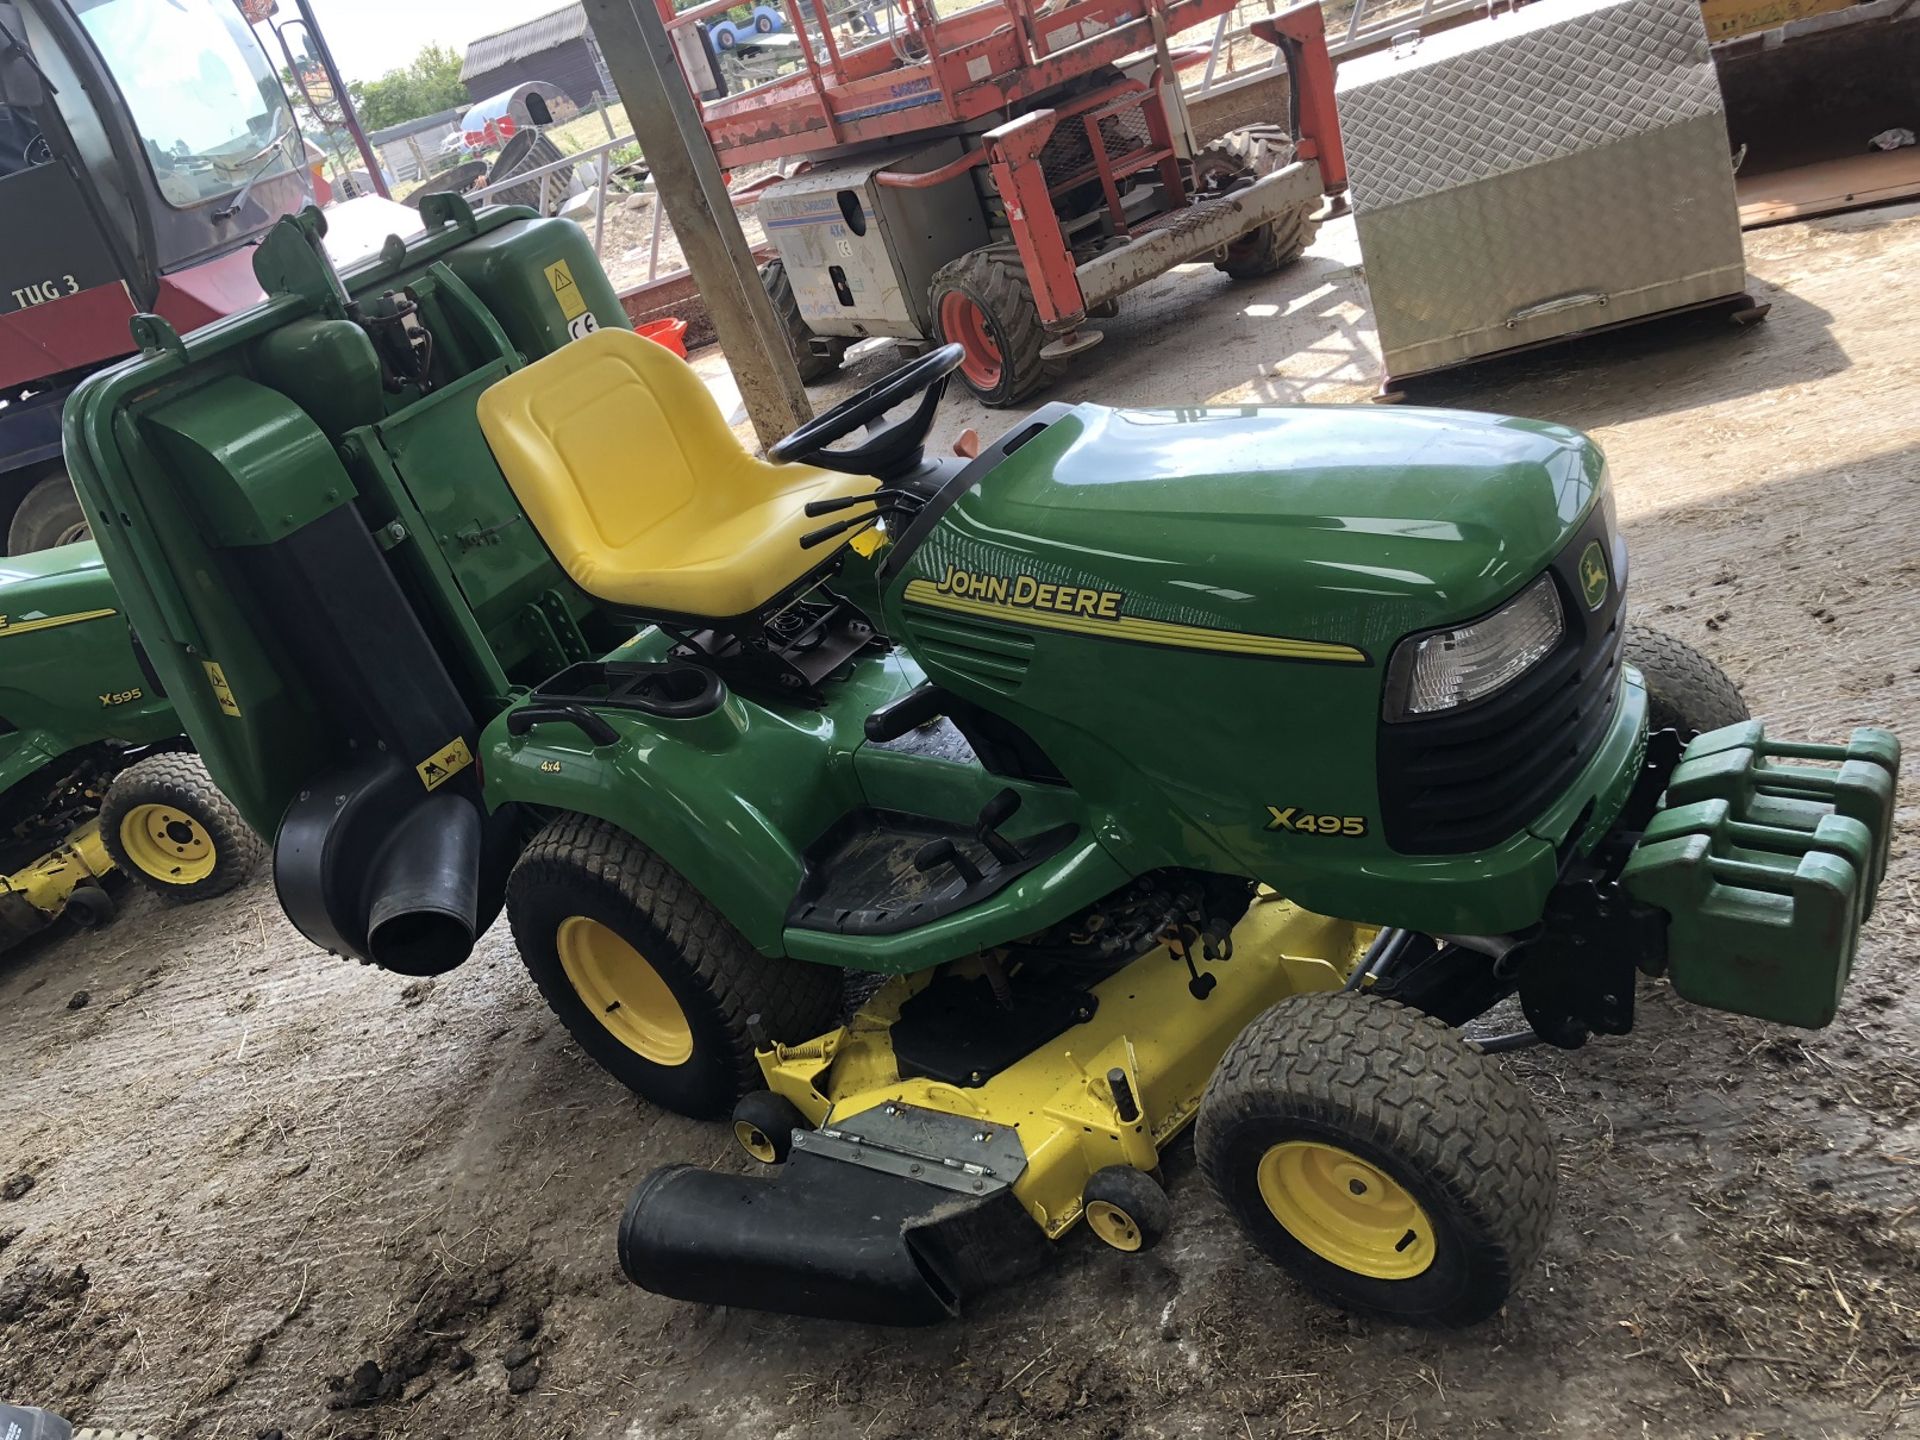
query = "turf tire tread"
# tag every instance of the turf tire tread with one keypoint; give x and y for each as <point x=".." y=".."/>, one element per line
<point x="1388" y="1074"/>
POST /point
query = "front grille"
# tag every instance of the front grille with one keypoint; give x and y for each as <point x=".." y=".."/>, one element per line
<point x="1470" y="779"/>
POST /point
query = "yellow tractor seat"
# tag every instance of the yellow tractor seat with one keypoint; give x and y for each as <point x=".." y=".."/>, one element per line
<point x="624" y="465"/>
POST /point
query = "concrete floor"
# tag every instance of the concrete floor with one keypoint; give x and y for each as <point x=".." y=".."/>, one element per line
<point x="278" y="1194"/>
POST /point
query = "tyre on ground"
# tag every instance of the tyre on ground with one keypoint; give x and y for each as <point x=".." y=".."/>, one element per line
<point x="647" y="976"/>
<point x="1127" y="1208"/>
<point x="1249" y="154"/>
<point x="763" y="1124"/>
<point x="166" y="824"/>
<point x="811" y="363"/>
<point x="1375" y="1156"/>
<point x="1686" y="691"/>
<point x="984" y="303"/>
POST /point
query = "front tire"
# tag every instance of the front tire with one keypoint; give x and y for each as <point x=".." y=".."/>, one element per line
<point x="1686" y="691"/>
<point x="167" y="825"/>
<point x="1380" y="1160"/>
<point x="647" y="976"/>
<point x="984" y="303"/>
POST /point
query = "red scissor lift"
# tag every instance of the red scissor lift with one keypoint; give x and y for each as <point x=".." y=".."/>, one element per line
<point x="999" y="176"/>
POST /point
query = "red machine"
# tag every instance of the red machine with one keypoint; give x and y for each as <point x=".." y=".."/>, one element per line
<point x="151" y="145"/>
<point x="997" y="177"/>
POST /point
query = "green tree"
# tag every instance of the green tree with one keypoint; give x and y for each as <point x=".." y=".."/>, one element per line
<point x="428" y="83"/>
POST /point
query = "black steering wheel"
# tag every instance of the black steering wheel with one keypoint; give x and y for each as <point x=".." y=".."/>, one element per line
<point x="892" y="451"/>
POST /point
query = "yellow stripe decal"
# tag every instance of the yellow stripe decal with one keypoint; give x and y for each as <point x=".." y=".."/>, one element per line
<point x="10" y="626"/>
<point x="1138" y="630"/>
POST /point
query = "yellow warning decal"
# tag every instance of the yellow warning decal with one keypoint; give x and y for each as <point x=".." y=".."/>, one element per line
<point x="565" y="291"/>
<point x="444" y="764"/>
<point x="222" y="692"/>
<point x="10" y="626"/>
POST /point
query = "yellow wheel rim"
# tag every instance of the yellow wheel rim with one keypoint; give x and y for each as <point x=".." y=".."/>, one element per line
<point x="624" y="992"/>
<point x="166" y="844"/>
<point x="1113" y="1225"/>
<point x="1346" y="1210"/>
<point x="754" y="1141"/>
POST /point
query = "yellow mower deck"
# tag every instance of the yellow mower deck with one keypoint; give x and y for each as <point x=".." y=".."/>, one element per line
<point x="35" y="895"/>
<point x="1058" y="1098"/>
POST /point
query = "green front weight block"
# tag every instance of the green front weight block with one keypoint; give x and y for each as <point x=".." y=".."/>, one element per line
<point x="1856" y="780"/>
<point x="1767" y="871"/>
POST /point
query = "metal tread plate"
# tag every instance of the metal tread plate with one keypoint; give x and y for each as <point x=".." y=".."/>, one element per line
<point x="1500" y="95"/>
<point x="1537" y="175"/>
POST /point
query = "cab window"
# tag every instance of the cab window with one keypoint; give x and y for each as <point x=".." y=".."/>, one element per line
<point x="210" y="113"/>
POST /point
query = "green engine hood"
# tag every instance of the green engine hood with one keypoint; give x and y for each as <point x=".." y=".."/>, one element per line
<point x="1342" y="523"/>
<point x="68" y="676"/>
<point x="1188" y="614"/>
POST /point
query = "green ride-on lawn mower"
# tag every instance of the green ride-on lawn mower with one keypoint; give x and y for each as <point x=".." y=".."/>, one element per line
<point x="94" y="777"/>
<point x="1157" y="767"/>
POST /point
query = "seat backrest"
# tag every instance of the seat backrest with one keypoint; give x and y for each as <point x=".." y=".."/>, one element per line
<point x="605" y="439"/>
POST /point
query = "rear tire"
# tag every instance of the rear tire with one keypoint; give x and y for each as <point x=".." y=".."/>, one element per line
<point x="647" y="976"/>
<point x="166" y="824"/>
<point x="1380" y="1160"/>
<point x="786" y="309"/>
<point x="1686" y="691"/>
<point x="984" y="303"/>
<point x="1254" y="152"/>
<point x="49" y="514"/>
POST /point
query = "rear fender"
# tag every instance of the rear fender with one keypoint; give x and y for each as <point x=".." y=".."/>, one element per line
<point x="728" y="799"/>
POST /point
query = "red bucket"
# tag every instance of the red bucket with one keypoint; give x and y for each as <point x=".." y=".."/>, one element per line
<point x="670" y="332"/>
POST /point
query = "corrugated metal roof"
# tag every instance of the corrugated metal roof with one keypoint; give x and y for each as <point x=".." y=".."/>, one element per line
<point x="441" y="122"/>
<point x="543" y="32"/>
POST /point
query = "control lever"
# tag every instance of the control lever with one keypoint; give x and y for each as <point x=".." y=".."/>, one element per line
<point x="814" y="509"/>
<point x="840" y="527"/>
<point x="995" y="813"/>
<point x="883" y="501"/>
<point x="936" y="853"/>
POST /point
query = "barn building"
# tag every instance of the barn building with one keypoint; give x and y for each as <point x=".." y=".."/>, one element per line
<point x="558" y="48"/>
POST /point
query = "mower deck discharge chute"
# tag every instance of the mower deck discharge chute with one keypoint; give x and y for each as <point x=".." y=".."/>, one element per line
<point x="1075" y="748"/>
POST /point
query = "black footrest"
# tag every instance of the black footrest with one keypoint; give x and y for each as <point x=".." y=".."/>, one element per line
<point x="861" y="878"/>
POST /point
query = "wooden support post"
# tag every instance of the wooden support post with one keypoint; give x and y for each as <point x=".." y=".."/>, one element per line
<point x="686" y="178"/>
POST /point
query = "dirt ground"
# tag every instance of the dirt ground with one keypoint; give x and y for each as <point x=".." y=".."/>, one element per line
<point x="257" y="1192"/>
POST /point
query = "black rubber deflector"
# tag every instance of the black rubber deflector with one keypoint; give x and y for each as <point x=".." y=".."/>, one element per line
<point x="824" y="1238"/>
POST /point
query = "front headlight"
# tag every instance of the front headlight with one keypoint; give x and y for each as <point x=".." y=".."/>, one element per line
<point x="1445" y="669"/>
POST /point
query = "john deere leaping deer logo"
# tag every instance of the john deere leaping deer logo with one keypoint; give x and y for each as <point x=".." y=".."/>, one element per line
<point x="1593" y="575"/>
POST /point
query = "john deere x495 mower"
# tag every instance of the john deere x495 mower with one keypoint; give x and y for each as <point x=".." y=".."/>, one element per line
<point x="93" y="774"/>
<point x="1166" y="766"/>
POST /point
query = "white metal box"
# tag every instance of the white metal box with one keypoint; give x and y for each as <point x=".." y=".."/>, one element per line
<point x="1546" y="171"/>
<point x="860" y="254"/>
